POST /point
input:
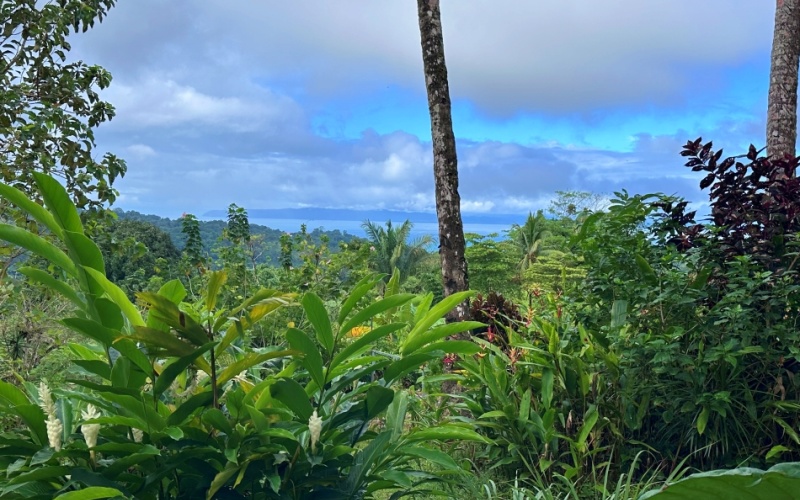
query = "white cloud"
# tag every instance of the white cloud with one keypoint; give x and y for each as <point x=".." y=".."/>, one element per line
<point x="140" y="150"/>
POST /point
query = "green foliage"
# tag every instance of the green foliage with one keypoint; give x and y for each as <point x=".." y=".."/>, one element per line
<point x="529" y="238"/>
<point x="492" y="264"/>
<point x="540" y="401"/>
<point x="193" y="250"/>
<point x="138" y="255"/>
<point x="50" y="107"/>
<point x="781" y="481"/>
<point x="185" y="410"/>
<point x="707" y="348"/>
<point x="392" y="250"/>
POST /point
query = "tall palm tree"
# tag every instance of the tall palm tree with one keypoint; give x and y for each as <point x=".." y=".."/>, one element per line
<point x="782" y="101"/>
<point x="392" y="250"/>
<point x="529" y="238"/>
<point x="452" y="245"/>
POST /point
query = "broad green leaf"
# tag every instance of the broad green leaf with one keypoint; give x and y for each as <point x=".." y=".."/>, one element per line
<point x="589" y="421"/>
<point x="270" y="300"/>
<point x="11" y="396"/>
<point x="378" y="399"/>
<point x="248" y="361"/>
<point x="84" y="251"/>
<point x="216" y="420"/>
<point x="374" y="309"/>
<point x="95" y="366"/>
<point x="121" y="373"/>
<point x="438" y="312"/>
<point x="465" y="347"/>
<point x="110" y="314"/>
<point x="292" y="394"/>
<point x="434" y="456"/>
<point x="173" y="290"/>
<point x="363" y="462"/>
<point x="40" y="474"/>
<point x="619" y="313"/>
<point x="359" y="291"/>
<point x="396" y="414"/>
<point x="419" y="338"/>
<point x="407" y="364"/>
<point x="34" y="418"/>
<point x="171" y="345"/>
<point x="446" y="433"/>
<point x="91" y="493"/>
<point x="525" y="406"/>
<point x="222" y="477"/>
<point x="58" y="203"/>
<point x="41" y="277"/>
<point x="188" y="407"/>
<point x="169" y="313"/>
<point x="215" y="281"/>
<point x="364" y="341"/>
<point x="702" y="420"/>
<point x="38" y="245"/>
<point x="393" y="285"/>
<point x="776" y="450"/>
<point x="117" y="296"/>
<point x="340" y="384"/>
<point x="140" y="408"/>
<point x="38" y="212"/>
<point x="92" y="329"/>
<point x="547" y="387"/>
<point x="171" y="372"/>
<point x="318" y="316"/>
<point x="311" y="360"/>
<point x="779" y="482"/>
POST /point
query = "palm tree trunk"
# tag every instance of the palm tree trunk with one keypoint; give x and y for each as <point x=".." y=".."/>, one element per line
<point x="445" y="163"/>
<point x="782" y="102"/>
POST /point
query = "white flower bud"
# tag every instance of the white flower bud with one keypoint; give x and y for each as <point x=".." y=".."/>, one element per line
<point x="54" y="430"/>
<point x="54" y="427"/>
<point x="138" y="435"/>
<point x="46" y="400"/>
<point x="90" y="431"/>
<point x="315" y="428"/>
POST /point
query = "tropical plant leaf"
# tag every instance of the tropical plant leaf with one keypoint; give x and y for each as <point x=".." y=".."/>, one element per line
<point x="117" y="296"/>
<point x="292" y="394"/>
<point x="446" y="432"/>
<point x="43" y="278"/>
<point x="779" y="482"/>
<point x="318" y="316"/>
<point x="311" y="360"/>
<point x="364" y="341"/>
<point x="436" y="313"/>
<point x="359" y="291"/>
<point x="169" y="313"/>
<point x="90" y="493"/>
<point x="215" y="281"/>
<point x="56" y="199"/>
<point x="38" y="212"/>
<point x="374" y="309"/>
<point x="248" y="361"/>
<point x="177" y="367"/>
<point x="39" y="246"/>
<point x="404" y="365"/>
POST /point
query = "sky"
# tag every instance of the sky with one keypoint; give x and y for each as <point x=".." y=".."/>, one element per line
<point x="321" y="103"/>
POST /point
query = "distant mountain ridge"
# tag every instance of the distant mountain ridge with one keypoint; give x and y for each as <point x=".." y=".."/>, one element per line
<point x="211" y="233"/>
<point x="344" y="214"/>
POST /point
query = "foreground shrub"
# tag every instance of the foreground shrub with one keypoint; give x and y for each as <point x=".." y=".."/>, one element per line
<point x="174" y="405"/>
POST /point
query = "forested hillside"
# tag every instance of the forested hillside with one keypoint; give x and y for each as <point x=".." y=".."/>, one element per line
<point x="211" y="233"/>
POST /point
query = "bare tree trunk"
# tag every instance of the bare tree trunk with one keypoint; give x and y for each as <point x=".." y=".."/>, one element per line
<point x="445" y="163"/>
<point x="782" y="104"/>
